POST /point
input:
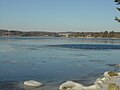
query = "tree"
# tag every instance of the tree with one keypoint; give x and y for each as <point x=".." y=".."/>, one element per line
<point x="111" y="34"/>
<point x="118" y="3"/>
<point x="105" y="34"/>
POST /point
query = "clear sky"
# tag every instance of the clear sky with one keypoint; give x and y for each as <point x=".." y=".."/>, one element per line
<point x="58" y="15"/>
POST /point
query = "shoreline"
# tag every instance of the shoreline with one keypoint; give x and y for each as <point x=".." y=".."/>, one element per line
<point x="101" y="83"/>
<point x="103" y="34"/>
<point x="59" y="37"/>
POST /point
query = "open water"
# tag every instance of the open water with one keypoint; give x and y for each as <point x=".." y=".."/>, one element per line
<point x="53" y="61"/>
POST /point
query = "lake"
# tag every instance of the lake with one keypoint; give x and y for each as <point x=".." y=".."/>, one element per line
<point x="54" y="60"/>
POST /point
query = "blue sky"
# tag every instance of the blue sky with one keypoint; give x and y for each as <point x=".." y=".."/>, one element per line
<point x="58" y="15"/>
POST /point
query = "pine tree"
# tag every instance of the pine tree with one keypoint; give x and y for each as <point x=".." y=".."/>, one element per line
<point x="117" y="3"/>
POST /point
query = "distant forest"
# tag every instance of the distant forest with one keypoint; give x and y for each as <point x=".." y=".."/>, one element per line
<point x="105" y="34"/>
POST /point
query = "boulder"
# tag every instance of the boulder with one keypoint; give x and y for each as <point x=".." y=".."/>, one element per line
<point x="92" y="87"/>
<point x="70" y="85"/>
<point x="113" y="86"/>
<point x="109" y="81"/>
<point x="110" y="74"/>
<point x="33" y="83"/>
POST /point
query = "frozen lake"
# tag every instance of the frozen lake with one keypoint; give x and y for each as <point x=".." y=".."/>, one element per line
<point x="55" y="60"/>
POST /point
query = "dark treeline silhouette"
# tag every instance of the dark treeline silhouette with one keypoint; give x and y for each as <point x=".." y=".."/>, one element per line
<point x="105" y="34"/>
<point x="29" y="33"/>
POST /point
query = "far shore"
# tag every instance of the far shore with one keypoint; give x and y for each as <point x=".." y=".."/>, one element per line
<point x="7" y="36"/>
<point x="103" y="35"/>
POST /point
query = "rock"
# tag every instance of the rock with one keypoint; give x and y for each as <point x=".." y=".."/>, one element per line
<point x="99" y="83"/>
<point x="70" y="85"/>
<point x="33" y="83"/>
<point x="105" y="80"/>
<point x="92" y="87"/>
<point x="110" y="81"/>
<point x="119" y="74"/>
<point x="110" y="74"/>
<point x="113" y="86"/>
<point x="106" y="74"/>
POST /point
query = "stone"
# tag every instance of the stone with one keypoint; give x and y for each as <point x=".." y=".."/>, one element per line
<point x="111" y="73"/>
<point x="92" y="87"/>
<point x="109" y="81"/>
<point x="113" y="86"/>
<point x="33" y="83"/>
<point x="70" y="85"/>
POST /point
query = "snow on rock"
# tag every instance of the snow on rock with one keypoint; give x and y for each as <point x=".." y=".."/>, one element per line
<point x="70" y="85"/>
<point x="110" y="81"/>
<point x="33" y="83"/>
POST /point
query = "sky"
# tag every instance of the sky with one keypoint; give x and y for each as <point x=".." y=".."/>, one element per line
<point x="59" y="15"/>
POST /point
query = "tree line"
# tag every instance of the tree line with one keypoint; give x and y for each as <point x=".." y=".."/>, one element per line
<point x="105" y="34"/>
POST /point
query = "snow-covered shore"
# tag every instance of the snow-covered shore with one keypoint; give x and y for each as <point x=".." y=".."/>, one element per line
<point x="109" y="81"/>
